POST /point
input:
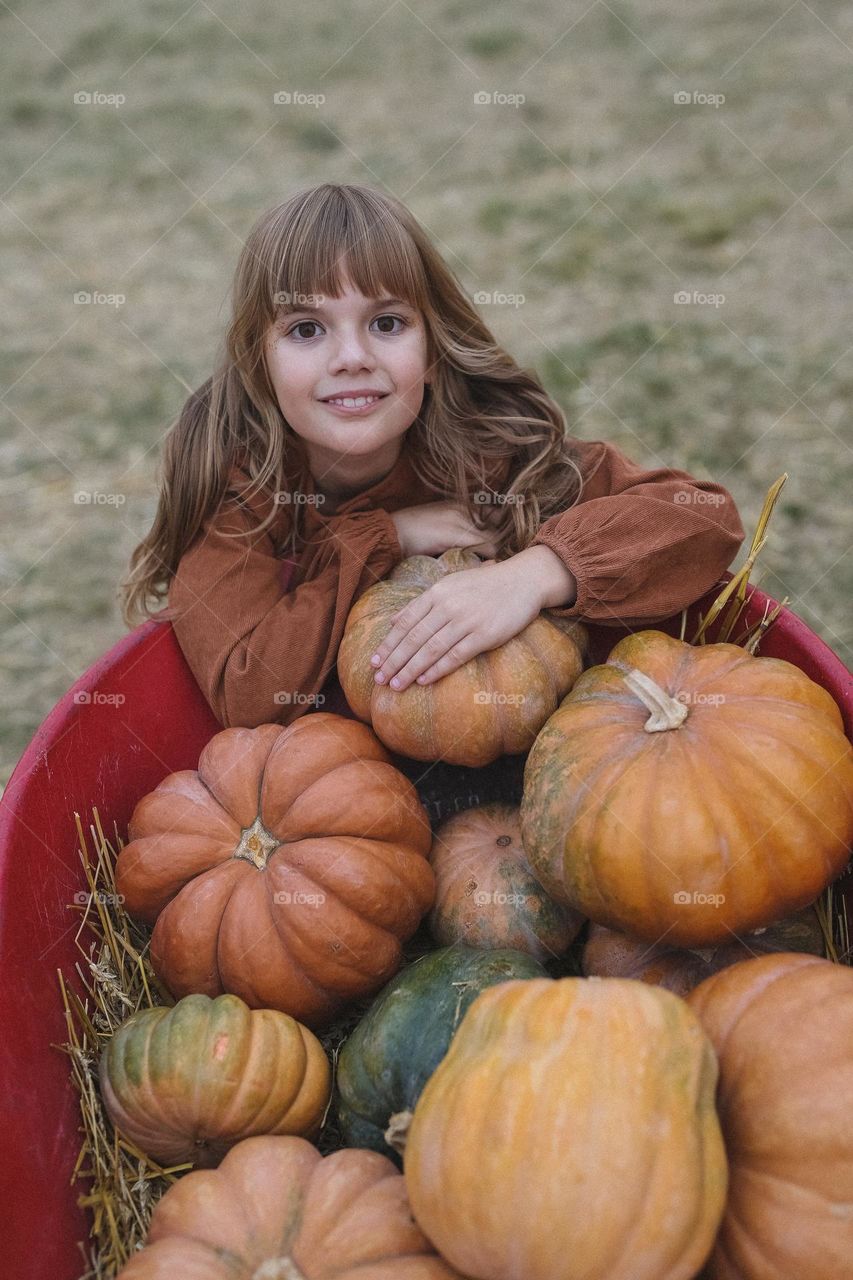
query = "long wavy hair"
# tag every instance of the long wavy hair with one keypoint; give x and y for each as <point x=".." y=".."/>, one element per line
<point x="480" y="406"/>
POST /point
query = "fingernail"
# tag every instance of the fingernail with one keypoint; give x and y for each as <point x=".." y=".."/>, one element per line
<point x="395" y="682"/>
<point x="379" y="677"/>
<point x="375" y="660"/>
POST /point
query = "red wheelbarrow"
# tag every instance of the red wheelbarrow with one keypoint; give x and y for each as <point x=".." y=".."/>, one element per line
<point x="131" y="719"/>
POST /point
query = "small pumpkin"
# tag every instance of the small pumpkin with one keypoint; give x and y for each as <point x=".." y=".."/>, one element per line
<point x="608" y="954"/>
<point x="689" y="791"/>
<point x="399" y="1042"/>
<point x="782" y="1027"/>
<point x="275" y="1209"/>
<point x="570" y="1132"/>
<point x="486" y="895"/>
<point x="186" y="1082"/>
<point x="493" y="705"/>
<point x="287" y="869"/>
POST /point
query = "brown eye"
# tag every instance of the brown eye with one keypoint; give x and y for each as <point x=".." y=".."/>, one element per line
<point x="400" y="318"/>
<point x="300" y="325"/>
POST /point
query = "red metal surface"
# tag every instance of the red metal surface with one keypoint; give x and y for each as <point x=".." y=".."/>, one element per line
<point x="134" y="717"/>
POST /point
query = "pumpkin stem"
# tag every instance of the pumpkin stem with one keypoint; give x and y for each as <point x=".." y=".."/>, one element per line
<point x="398" y="1130"/>
<point x="256" y="844"/>
<point x="666" y="712"/>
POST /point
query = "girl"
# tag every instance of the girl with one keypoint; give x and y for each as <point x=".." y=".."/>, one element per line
<point x="362" y="412"/>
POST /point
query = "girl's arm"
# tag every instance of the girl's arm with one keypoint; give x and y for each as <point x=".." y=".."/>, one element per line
<point x="260" y="653"/>
<point x="642" y="543"/>
<point x="639" y="545"/>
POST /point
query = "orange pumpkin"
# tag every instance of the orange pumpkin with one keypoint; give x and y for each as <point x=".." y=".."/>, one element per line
<point x="608" y="954"/>
<point x="570" y="1132"/>
<point x="185" y="1083"/>
<point x="275" y="1209"/>
<point x="493" y="705"/>
<point x="782" y="1027"/>
<point x="486" y="895"/>
<point x="689" y="791"/>
<point x="288" y="869"/>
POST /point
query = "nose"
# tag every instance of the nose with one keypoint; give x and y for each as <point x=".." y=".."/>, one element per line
<point x="351" y="351"/>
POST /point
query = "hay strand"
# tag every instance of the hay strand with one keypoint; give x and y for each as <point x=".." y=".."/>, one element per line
<point x="112" y="979"/>
<point x="735" y="590"/>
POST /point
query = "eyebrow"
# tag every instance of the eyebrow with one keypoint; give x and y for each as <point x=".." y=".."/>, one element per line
<point x="370" y="305"/>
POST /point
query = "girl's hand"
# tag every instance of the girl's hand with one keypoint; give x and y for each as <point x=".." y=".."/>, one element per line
<point x="457" y="618"/>
<point x="435" y="527"/>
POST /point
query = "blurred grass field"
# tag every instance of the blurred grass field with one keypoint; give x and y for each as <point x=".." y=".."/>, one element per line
<point x="598" y="198"/>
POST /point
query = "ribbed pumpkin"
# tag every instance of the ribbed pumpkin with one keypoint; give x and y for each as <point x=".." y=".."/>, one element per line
<point x="485" y="893"/>
<point x="185" y="1083"/>
<point x="782" y="1027"/>
<point x="493" y="705"/>
<point x="275" y="1209"/>
<point x="399" y="1042"/>
<point x="608" y="954"/>
<point x="570" y="1133"/>
<point x="691" y="791"/>
<point x="287" y="870"/>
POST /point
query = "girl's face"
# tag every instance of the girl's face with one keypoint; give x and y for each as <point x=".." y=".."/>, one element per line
<point x="341" y="347"/>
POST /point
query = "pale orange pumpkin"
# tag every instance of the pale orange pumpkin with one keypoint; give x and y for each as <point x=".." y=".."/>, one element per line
<point x="690" y="792"/>
<point x="188" y="1081"/>
<point x="782" y="1027"/>
<point x="570" y="1132"/>
<point x="275" y="1209"/>
<point x="609" y="954"/>
<point x="486" y="895"/>
<point x="288" y="869"/>
<point x="493" y="705"/>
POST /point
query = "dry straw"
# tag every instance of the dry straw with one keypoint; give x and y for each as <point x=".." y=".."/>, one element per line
<point x="114" y="979"/>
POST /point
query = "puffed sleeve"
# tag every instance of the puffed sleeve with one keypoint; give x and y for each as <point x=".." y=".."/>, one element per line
<point x="259" y="652"/>
<point x="642" y="543"/>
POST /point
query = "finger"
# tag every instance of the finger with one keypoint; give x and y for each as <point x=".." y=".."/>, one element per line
<point x="404" y="620"/>
<point x="415" y="639"/>
<point x="446" y="644"/>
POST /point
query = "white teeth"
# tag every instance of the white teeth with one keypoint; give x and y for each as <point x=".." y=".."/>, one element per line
<point x="350" y="403"/>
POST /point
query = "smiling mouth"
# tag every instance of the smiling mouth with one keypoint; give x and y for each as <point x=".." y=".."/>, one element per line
<point x="354" y="403"/>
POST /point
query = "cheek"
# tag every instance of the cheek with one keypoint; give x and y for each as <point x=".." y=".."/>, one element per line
<point x="416" y="360"/>
<point x="288" y="376"/>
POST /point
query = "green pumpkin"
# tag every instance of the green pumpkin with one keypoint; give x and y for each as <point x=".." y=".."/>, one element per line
<point x="404" y="1035"/>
